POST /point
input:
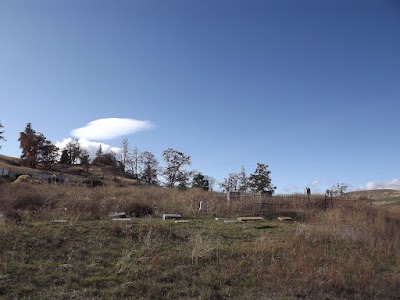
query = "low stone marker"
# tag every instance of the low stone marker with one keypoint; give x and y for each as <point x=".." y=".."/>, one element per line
<point x="171" y="216"/>
<point x="118" y="215"/>
<point x="181" y="221"/>
<point x="249" y="219"/>
<point x="285" y="219"/>
<point x="58" y="221"/>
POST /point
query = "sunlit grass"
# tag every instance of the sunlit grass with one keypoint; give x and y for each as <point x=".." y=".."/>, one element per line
<point x="350" y="251"/>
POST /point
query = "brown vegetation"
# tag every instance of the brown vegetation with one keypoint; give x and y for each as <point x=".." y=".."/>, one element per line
<point x="350" y="251"/>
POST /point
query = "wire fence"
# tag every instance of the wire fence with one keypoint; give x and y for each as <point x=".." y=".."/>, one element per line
<point x="287" y="204"/>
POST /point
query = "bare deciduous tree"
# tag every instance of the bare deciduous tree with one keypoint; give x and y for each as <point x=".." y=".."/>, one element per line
<point x="1" y="133"/>
<point x="231" y="183"/>
<point x="149" y="167"/>
<point x="124" y="154"/>
<point x="338" y="189"/>
<point x="211" y="182"/>
<point x="74" y="150"/>
<point x="133" y="162"/>
<point x="173" y="171"/>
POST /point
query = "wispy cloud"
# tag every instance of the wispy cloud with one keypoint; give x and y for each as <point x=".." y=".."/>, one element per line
<point x="315" y="182"/>
<point x="90" y="146"/>
<point x="377" y="185"/>
<point x="110" y="128"/>
<point x="290" y="189"/>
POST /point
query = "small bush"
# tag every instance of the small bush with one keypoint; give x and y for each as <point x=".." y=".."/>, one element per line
<point x="29" y="202"/>
<point x="13" y="216"/>
<point x="139" y="210"/>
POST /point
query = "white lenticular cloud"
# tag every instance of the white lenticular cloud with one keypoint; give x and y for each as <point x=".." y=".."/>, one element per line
<point x="110" y="128"/>
<point x="393" y="184"/>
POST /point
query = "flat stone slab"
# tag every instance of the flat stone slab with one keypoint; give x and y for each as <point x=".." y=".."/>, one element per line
<point x="285" y="219"/>
<point x="118" y="215"/>
<point x="249" y="219"/>
<point x="121" y="219"/>
<point x="171" y="216"/>
<point x="181" y="221"/>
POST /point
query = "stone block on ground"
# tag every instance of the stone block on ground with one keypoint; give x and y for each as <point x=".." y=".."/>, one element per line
<point x="249" y="219"/>
<point x="118" y="215"/>
<point x="171" y="217"/>
<point x="285" y="219"/>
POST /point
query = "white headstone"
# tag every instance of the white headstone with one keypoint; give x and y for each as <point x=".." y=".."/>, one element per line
<point x="203" y="205"/>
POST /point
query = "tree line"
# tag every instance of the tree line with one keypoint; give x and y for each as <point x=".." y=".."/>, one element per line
<point x="38" y="151"/>
<point x="1" y="133"/>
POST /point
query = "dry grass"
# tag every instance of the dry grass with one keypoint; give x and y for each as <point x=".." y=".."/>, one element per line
<point x="351" y="251"/>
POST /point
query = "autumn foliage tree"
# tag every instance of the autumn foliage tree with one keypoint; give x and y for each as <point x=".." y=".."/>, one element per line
<point x="36" y="148"/>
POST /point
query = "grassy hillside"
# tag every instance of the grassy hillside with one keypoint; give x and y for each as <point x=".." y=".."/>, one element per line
<point x="384" y="197"/>
<point x="75" y="173"/>
<point x="350" y="250"/>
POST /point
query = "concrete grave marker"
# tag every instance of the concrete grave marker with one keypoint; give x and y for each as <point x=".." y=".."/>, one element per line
<point x="285" y="219"/>
<point x="171" y="216"/>
<point x="118" y="215"/>
<point x="58" y="221"/>
<point x="249" y="219"/>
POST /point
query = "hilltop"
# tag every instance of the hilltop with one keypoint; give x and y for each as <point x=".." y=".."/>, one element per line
<point x="74" y="173"/>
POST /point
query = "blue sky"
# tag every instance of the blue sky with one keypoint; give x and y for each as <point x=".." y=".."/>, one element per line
<point x="311" y="88"/>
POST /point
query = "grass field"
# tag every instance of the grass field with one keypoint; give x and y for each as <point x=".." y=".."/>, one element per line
<point x="351" y="251"/>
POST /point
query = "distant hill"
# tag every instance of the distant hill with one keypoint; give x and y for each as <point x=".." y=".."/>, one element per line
<point x="9" y="161"/>
<point x="385" y="197"/>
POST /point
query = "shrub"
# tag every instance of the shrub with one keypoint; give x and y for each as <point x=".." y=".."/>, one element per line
<point x="29" y="202"/>
<point x="13" y="216"/>
<point x="138" y="210"/>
